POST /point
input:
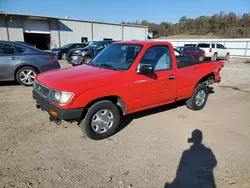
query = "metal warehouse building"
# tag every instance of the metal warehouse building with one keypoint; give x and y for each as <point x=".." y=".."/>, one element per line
<point x="47" y="32"/>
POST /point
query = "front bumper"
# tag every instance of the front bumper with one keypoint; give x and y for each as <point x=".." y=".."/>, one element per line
<point x="68" y="114"/>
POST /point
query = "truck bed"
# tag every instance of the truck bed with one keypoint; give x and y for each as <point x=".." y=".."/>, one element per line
<point x="186" y="61"/>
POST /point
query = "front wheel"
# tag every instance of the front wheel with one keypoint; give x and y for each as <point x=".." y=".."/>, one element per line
<point x="199" y="98"/>
<point x="227" y="56"/>
<point x="87" y="60"/>
<point x="101" y="120"/>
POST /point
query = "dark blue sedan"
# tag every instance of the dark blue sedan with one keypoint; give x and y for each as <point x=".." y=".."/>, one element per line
<point x="22" y="63"/>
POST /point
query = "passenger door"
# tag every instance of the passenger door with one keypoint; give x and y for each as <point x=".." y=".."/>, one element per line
<point x="159" y="87"/>
<point x="9" y="58"/>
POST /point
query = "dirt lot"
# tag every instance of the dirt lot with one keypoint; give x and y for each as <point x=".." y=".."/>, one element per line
<point x="146" y="153"/>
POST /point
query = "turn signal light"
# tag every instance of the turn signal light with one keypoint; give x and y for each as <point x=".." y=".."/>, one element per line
<point x="53" y="113"/>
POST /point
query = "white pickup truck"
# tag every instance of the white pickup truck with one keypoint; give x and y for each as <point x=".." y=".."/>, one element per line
<point x="214" y="50"/>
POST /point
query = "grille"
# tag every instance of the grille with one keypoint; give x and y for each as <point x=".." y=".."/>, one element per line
<point x="44" y="91"/>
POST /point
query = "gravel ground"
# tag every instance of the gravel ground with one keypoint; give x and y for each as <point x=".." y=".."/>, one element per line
<point x="145" y="153"/>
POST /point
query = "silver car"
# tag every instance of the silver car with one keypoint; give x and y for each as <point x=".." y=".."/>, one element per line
<point x="22" y="63"/>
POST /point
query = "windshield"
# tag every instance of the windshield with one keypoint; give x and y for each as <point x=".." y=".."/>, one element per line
<point x="67" y="45"/>
<point x="118" y="56"/>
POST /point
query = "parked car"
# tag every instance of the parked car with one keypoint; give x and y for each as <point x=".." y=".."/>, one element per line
<point x="195" y="52"/>
<point x="33" y="45"/>
<point x="214" y="50"/>
<point x="61" y="53"/>
<point x="194" y="45"/>
<point x="124" y="78"/>
<point x="85" y="55"/>
<point x="22" y="63"/>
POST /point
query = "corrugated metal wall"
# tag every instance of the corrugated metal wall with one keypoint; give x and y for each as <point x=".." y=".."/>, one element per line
<point x="101" y="31"/>
<point x="54" y="34"/>
<point x="15" y="28"/>
<point x="73" y="31"/>
<point x="134" y="33"/>
<point x="3" y="32"/>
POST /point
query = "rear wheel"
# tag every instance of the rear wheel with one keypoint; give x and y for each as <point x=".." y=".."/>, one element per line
<point x="26" y="75"/>
<point x="227" y="56"/>
<point x="101" y="120"/>
<point x="201" y="58"/>
<point x="64" y="56"/>
<point x="214" y="58"/>
<point x="199" y="98"/>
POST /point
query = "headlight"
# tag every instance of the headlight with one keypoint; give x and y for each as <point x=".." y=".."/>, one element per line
<point x="61" y="98"/>
<point x="77" y="52"/>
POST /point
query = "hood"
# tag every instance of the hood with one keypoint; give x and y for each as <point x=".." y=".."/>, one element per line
<point x="78" y="79"/>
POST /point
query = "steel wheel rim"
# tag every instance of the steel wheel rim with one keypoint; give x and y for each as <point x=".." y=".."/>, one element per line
<point x="102" y="121"/>
<point x="27" y="76"/>
<point x="200" y="97"/>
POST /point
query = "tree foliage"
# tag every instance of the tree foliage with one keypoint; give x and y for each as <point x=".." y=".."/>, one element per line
<point x="225" y="25"/>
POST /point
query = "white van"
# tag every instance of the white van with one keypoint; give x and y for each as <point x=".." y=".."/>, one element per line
<point x="214" y="50"/>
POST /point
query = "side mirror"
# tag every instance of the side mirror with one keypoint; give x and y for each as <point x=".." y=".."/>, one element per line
<point x="146" y="69"/>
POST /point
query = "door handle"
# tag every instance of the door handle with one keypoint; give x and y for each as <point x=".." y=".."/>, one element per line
<point x="171" y="77"/>
<point x="13" y="58"/>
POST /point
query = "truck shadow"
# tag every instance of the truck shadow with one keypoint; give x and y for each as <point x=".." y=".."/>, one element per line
<point x="126" y="120"/>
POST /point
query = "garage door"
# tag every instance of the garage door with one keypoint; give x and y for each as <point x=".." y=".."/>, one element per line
<point x="36" y="26"/>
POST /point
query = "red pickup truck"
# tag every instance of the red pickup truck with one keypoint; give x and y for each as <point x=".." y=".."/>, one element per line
<point x="124" y="78"/>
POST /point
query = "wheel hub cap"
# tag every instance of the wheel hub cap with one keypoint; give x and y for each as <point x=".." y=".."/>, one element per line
<point x="200" y="97"/>
<point x="102" y="121"/>
<point x="27" y="76"/>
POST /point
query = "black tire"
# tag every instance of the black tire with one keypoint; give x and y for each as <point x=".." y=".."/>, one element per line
<point x="191" y="103"/>
<point x="214" y="58"/>
<point x="227" y="56"/>
<point x="86" y="123"/>
<point x="19" y="75"/>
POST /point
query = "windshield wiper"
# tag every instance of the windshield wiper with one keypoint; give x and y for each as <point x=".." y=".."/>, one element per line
<point x="108" y="66"/>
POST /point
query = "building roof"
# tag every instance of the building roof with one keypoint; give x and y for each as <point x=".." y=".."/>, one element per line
<point x="57" y="18"/>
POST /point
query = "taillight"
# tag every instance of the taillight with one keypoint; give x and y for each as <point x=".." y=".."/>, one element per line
<point x="51" y="59"/>
<point x="210" y="50"/>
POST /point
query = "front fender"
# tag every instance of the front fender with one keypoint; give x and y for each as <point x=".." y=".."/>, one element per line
<point x="86" y="97"/>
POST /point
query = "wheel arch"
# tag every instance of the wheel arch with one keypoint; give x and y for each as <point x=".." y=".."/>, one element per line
<point x="118" y="101"/>
<point x="207" y="79"/>
<point x="24" y="65"/>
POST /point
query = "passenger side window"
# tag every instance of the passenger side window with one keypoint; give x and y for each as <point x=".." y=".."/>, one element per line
<point x="159" y="57"/>
<point x="7" y="49"/>
<point x="213" y="45"/>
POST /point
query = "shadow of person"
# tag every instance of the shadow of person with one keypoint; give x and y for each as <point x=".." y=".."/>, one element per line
<point x="196" y="166"/>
